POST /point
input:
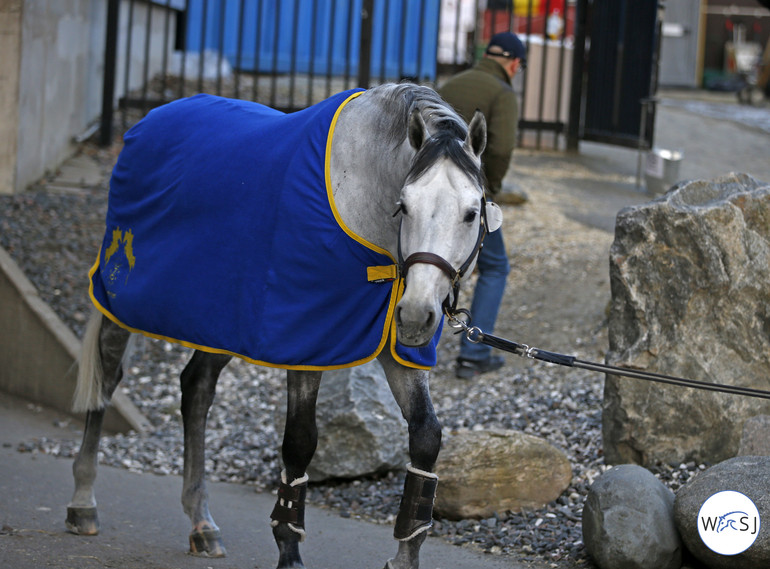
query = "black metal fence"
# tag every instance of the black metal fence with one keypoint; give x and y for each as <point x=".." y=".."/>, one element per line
<point x="289" y="54"/>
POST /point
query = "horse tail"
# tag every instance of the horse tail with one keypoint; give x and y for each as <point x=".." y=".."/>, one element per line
<point x="88" y="393"/>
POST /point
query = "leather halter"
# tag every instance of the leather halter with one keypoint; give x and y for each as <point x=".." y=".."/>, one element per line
<point x="426" y="257"/>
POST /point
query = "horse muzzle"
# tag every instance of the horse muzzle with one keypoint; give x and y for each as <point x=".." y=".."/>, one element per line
<point x="416" y="322"/>
<point x="419" y="311"/>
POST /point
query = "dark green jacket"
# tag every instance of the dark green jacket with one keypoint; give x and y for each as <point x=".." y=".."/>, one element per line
<point x="486" y="87"/>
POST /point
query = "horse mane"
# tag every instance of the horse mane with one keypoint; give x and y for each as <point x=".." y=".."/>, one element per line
<point x="447" y="130"/>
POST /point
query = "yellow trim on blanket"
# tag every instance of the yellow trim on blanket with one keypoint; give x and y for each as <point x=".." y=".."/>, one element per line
<point x="211" y="350"/>
<point x="399" y="359"/>
<point x="330" y="190"/>
<point x="398" y="285"/>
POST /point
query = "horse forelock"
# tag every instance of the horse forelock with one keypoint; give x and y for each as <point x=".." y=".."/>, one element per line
<point x="444" y="145"/>
<point x="447" y="131"/>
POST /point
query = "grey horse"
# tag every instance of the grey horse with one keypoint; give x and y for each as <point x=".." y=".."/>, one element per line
<point x="403" y="175"/>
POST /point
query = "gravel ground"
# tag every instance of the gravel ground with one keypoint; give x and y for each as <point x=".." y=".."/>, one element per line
<point x="557" y="298"/>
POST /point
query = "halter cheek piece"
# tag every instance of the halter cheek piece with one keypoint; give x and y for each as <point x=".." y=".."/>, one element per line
<point x="426" y="257"/>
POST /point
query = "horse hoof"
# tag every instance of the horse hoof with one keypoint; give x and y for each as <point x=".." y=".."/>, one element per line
<point x="207" y="543"/>
<point x="82" y="521"/>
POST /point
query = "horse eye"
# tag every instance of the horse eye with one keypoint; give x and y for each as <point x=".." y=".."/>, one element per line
<point x="470" y="217"/>
<point x="401" y="209"/>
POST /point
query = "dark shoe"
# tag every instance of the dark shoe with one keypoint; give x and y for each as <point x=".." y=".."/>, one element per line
<point x="468" y="369"/>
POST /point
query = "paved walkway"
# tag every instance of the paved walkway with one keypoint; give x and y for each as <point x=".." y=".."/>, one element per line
<point x="143" y="526"/>
<point x="715" y="134"/>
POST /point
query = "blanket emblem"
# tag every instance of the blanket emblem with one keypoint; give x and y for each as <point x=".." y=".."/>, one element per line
<point x="115" y="264"/>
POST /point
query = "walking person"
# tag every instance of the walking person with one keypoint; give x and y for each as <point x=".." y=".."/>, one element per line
<point x="487" y="87"/>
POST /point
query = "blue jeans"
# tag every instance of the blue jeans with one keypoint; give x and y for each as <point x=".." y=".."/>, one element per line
<point x="493" y="270"/>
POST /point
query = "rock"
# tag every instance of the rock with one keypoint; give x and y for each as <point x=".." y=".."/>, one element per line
<point x="483" y="473"/>
<point x="690" y="275"/>
<point x="749" y="475"/>
<point x="360" y="427"/>
<point x="628" y="521"/>
<point x="755" y="440"/>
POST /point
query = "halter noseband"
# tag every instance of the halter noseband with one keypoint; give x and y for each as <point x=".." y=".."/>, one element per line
<point x="446" y="267"/>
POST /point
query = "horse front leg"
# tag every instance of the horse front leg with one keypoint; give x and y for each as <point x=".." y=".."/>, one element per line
<point x="415" y="515"/>
<point x="199" y="381"/>
<point x="100" y="372"/>
<point x="299" y="443"/>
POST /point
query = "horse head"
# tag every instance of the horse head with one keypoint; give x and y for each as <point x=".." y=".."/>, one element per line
<point x="443" y="220"/>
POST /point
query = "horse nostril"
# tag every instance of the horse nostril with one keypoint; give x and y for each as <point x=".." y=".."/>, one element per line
<point x="414" y="318"/>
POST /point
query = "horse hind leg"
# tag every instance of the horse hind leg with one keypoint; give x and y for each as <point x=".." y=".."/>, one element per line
<point x="300" y="439"/>
<point x="100" y="372"/>
<point x="198" y="381"/>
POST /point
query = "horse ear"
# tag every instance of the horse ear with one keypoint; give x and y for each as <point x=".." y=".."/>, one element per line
<point x="476" y="141"/>
<point x="417" y="129"/>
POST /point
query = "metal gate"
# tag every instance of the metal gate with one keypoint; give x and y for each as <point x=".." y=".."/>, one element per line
<point x="289" y="54"/>
<point x="621" y="71"/>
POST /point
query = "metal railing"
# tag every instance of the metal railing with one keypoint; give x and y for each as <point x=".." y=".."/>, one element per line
<point x="289" y="54"/>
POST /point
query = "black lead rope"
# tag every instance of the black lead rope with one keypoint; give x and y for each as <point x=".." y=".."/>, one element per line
<point x="475" y="335"/>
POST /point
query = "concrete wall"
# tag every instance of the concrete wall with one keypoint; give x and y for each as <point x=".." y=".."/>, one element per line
<point x="39" y="352"/>
<point x="59" y="95"/>
<point x="10" y="47"/>
<point x="51" y="74"/>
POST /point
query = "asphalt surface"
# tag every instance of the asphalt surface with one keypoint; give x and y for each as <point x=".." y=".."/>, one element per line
<point x="715" y="135"/>
<point x="143" y="526"/>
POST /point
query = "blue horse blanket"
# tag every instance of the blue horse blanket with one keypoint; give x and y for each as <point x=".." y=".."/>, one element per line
<point x="222" y="235"/>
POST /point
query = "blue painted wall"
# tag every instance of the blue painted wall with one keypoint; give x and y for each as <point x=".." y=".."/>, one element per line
<point x="321" y="36"/>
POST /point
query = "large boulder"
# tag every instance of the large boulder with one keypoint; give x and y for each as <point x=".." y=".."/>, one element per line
<point x="755" y="439"/>
<point x="690" y="279"/>
<point x="361" y="429"/>
<point x="628" y="521"/>
<point x="483" y="473"/>
<point x="749" y="475"/>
